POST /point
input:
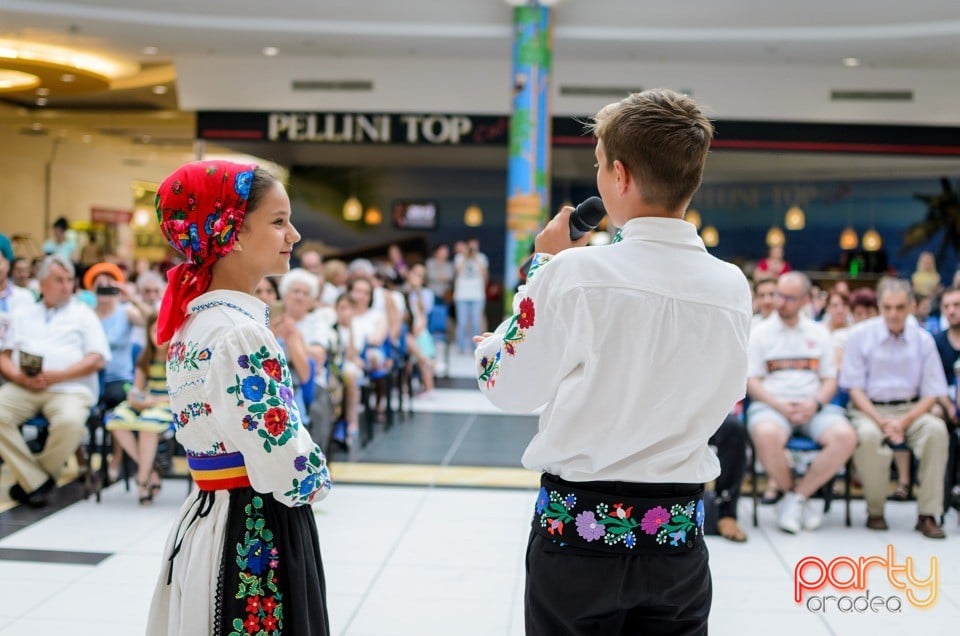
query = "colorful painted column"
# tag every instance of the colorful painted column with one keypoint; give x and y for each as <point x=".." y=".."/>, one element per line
<point x="528" y="167"/>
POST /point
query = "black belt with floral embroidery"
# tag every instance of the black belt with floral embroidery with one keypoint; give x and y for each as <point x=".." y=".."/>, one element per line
<point x="591" y="519"/>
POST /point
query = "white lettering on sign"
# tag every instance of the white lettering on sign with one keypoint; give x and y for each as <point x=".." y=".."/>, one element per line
<point x="355" y="128"/>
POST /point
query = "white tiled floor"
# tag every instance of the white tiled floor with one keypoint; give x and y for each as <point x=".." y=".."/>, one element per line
<point x="425" y="565"/>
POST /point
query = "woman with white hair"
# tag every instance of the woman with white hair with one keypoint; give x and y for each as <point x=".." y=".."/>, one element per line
<point x="300" y="326"/>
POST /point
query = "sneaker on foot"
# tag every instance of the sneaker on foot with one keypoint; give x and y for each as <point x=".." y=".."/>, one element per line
<point x="812" y="516"/>
<point x="791" y="513"/>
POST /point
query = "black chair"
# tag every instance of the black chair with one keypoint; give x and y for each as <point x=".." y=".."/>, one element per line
<point x="801" y="443"/>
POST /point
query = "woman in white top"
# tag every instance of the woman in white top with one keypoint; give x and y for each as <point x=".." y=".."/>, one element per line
<point x="243" y="556"/>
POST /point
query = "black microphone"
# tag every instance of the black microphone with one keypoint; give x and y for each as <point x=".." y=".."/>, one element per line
<point x="586" y="217"/>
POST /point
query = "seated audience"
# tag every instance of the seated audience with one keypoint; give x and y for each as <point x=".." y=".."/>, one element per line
<point x="894" y="375"/>
<point x="138" y="423"/>
<point x="50" y="360"/>
<point x="791" y="380"/>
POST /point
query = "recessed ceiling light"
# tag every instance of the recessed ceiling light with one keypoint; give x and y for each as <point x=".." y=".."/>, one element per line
<point x="851" y="61"/>
<point x="36" y="126"/>
<point x="86" y="139"/>
<point x="43" y="92"/>
<point x="66" y="78"/>
<point x="270" y="51"/>
<point x="150" y="50"/>
<point x="159" y="89"/>
<point x="41" y="101"/>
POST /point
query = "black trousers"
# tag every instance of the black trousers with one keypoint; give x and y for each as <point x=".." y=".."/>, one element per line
<point x="730" y="441"/>
<point x="572" y="591"/>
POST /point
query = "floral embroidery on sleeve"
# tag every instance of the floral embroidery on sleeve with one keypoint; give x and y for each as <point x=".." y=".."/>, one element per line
<point x="258" y="561"/>
<point x="191" y="411"/>
<point x="187" y="356"/>
<point x="268" y="397"/>
<point x="317" y="477"/>
<point x="515" y="334"/>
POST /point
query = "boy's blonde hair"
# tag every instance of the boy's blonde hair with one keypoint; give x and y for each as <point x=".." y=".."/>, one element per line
<point x="662" y="138"/>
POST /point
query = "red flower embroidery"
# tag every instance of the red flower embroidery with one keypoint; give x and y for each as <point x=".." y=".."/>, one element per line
<point x="525" y="319"/>
<point x="554" y="526"/>
<point x="268" y="604"/>
<point x="273" y="369"/>
<point x="253" y="604"/>
<point x="621" y="512"/>
<point x="276" y="421"/>
<point x="252" y="624"/>
<point x="269" y="623"/>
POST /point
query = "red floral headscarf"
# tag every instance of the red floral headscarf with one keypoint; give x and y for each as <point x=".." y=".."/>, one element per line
<point x="200" y="208"/>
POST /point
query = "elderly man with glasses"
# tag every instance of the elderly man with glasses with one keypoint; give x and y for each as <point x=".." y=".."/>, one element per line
<point x="791" y="378"/>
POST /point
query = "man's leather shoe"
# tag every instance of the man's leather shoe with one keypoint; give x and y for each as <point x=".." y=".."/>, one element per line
<point x="35" y="499"/>
<point x="877" y="522"/>
<point x="929" y="528"/>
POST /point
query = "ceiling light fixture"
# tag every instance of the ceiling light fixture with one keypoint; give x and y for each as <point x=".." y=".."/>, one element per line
<point x="473" y="216"/>
<point x="150" y="50"/>
<point x="851" y="62"/>
<point x="710" y="236"/>
<point x="270" y="51"/>
<point x="775" y="237"/>
<point x="849" y="239"/>
<point x="795" y="219"/>
<point x="41" y="101"/>
<point x="159" y="89"/>
<point x="11" y="80"/>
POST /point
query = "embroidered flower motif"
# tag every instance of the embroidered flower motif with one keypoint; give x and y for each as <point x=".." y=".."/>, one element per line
<point x="266" y="393"/>
<point x="257" y="559"/>
<point x="254" y="387"/>
<point x="242" y="182"/>
<point x="570" y="501"/>
<point x="554" y="525"/>
<point x="543" y="500"/>
<point x="699" y="514"/>
<point x="678" y="537"/>
<point x="272" y="368"/>
<point x="276" y="421"/>
<point x="252" y="624"/>
<point x="305" y="491"/>
<point x="620" y="512"/>
<point x="187" y="356"/>
<point x="653" y="519"/>
<point x="268" y="603"/>
<point x="629" y="540"/>
<point x="588" y="527"/>
<point x="514" y="335"/>
<point x="527" y="313"/>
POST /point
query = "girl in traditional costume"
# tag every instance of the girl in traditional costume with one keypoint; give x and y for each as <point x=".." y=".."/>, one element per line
<point x="243" y="556"/>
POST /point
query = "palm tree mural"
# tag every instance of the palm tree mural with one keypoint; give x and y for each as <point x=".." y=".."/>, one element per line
<point x="943" y="214"/>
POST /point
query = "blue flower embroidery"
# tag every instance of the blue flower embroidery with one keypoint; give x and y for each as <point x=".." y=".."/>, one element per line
<point x="257" y="558"/>
<point x="629" y="540"/>
<point x="570" y="501"/>
<point x="678" y="537"/>
<point x="543" y="500"/>
<point x="241" y="184"/>
<point x="699" y="517"/>
<point x="254" y="387"/>
<point x="208" y="224"/>
<point x="308" y="485"/>
<point x="194" y="238"/>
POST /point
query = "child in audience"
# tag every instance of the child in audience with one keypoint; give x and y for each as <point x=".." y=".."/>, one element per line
<point x="138" y="422"/>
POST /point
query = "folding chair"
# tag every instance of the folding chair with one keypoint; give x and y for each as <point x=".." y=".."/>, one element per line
<point x="803" y="444"/>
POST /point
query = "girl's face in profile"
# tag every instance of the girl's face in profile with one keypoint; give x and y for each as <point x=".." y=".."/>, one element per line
<point x="268" y="235"/>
